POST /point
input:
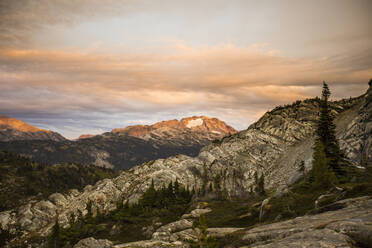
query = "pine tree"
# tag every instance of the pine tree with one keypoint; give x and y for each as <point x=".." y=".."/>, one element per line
<point x="210" y="187"/>
<point x="326" y="133"/>
<point x="72" y="219"/>
<point x="322" y="172"/>
<point x="203" y="239"/>
<point x="176" y="187"/>
<point x="54" y="241"/>
<point x="256" y="177"/>
<point x="89" y="215"/>
<point x="301" y="167"/>
<point x="170" y="189"/>
<point x="261" y="185"/>
<point x="150" y="196"/>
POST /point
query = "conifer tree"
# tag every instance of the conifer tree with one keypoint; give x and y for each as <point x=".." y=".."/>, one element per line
<point x="301" y="167"/>
<point x="326" y="134"/>
<point x="54" y="241"/>
<point x="261" y="185"/>
<point x="72" y="219"/>
<point x="210" y="187"/>
<point x="176" y="187"/>
<point x="322" y="172"/>
<point x="89" y="214"/>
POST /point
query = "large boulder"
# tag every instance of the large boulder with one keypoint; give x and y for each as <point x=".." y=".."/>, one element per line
<point x="93" y="243"/>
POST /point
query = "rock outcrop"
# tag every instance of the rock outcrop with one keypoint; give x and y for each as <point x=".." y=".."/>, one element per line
<point x="345" y="227"/>
<point x="273" y="146"/>
<point x="13" y="129"/>
<point x="93" y="243"/>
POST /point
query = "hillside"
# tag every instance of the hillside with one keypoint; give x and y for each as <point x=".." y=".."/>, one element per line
<point x="12" y="129"/>
<point x="124" y="148"/>
<point x="274" y="146"/>
<point x="22" y="179"/>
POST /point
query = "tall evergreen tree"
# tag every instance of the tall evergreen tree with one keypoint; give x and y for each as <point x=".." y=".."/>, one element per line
<point x="55" y="239"/>
<point x="322" y="172"/>
<point x="326" y="133"/>
<point x="261" y="185"/>
<point x="176" y="187"/>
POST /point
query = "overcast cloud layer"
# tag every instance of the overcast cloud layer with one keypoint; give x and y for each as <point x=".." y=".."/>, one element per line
<point x="89" y="66"/>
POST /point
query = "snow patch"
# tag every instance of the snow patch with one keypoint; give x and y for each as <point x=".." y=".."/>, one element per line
<point x="195" y="123"/>
<point x="216" y="132"/>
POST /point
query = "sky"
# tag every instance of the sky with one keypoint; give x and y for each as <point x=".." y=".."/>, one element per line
<point x="88" y="66"/>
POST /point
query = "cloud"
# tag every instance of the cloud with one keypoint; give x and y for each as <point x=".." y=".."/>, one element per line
<point x="20" y="19"/>
<point x="217" y="79"/>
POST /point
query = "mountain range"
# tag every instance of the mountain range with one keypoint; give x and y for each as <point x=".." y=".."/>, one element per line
<point x="121" y="148"/>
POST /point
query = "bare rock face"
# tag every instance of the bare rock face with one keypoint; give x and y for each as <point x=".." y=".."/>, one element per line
<point x="355" y="131"/>
<point x="13" y="129"/>
<point x="273" y="146"/>
<point x="341" y="228"/>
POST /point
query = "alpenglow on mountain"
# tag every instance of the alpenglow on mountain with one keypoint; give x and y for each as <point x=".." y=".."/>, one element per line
<point x="12" y="129"/>
<point x="123" y="148"/>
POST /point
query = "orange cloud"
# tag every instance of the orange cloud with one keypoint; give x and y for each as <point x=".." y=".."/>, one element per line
<point x="222" y="80"/>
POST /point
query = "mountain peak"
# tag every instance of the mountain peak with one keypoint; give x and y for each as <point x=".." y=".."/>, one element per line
<point x="85" y="136"/>
<point x="200" y="124"/>
<point x="14" y="129"/>
<point x="19" y="125"/>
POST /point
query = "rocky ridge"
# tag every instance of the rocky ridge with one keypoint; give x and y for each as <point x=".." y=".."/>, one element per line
<point x="13" y="129"/>
<point x="274" y="146"/>
<point x="85" y="136"/>
<point x="197" y="128"/>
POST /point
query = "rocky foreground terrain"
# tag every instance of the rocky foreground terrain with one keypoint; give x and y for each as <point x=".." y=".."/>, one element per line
<point x="348" y="226"/>
<point x="12" y="129"/>
<point x="122" y="148"/>
<point x="274" y="146"/>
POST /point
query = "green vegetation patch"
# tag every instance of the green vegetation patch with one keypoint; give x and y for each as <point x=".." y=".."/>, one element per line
<point x="233" y="213"/>
<point x="128" y="222"/>
<point x="21" y="178"/>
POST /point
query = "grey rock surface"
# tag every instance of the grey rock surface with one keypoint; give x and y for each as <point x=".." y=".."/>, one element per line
<point x="197" y="212"/>
<point x="152" y="244"/>
<point x="341" y="228"/>
<point x="175" y="226"/>
<point x="93" y="243"/>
